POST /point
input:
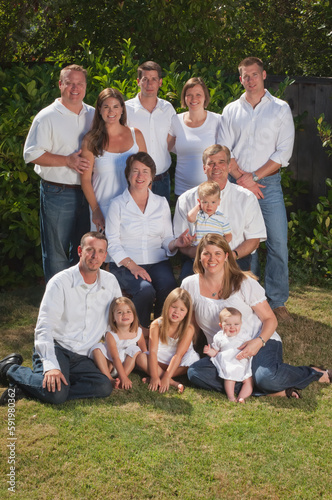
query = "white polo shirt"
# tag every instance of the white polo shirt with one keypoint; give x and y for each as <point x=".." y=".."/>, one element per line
<point x="155" y="127"/>
<point x="238" y="204"/>
<point x="56" y="129"/>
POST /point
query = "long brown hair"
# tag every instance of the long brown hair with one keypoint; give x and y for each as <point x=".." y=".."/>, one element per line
<point x="113" y="306"/>
<point x="176" y="294"/>
<point x="97" y="137"/>
<point x="233" y="275"/>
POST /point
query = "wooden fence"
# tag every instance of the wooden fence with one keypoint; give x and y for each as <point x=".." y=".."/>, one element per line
<point x="309" y="161"/>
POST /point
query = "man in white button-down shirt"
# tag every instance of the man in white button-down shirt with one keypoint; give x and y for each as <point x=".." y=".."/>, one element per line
<point x="258" y="129"/>
<point x="239" y="205"/>
<point x="152" y="116"/>
<point x="73" y="316"/>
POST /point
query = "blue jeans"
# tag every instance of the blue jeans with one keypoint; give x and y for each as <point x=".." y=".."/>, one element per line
<point x="142" y="292"/>
<point x="64" y="218"/>
<point x="275" y="218"/>
<point x="162" y="187"/>
<point x="269" y="372"/>
<point x="83" y="377"/>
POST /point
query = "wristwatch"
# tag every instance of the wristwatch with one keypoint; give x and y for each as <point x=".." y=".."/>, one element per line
<point x="255" y="177"/>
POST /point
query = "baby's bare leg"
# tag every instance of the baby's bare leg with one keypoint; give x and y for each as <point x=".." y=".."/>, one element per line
<point x="229" y="389"/>
<point x="246" y="390"/>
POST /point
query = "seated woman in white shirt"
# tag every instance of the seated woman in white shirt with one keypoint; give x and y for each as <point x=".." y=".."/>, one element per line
<point x="191" y="133"/>
<point x="107" y="146"/>
<point x="140" y="240"/>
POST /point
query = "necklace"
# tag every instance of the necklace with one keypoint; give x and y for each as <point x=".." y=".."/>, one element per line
<point x="214" y="294"/>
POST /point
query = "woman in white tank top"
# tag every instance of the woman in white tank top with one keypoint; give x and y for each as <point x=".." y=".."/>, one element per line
<point x="107" y="146"/>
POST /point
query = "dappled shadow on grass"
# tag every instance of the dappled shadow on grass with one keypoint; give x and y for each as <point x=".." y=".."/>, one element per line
<point x="139" y="396"/>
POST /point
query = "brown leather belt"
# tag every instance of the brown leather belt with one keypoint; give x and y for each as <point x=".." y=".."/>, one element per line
<point x="68" y="186"/>
<point x="160" y="177"/>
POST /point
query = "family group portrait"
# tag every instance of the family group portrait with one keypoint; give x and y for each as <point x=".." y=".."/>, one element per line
<point x="166" y="260"/>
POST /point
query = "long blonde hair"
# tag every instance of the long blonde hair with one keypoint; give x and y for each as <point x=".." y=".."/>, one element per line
<point x="176" y="294"/>
<point x="113" y="306"/>
<point x="233" y="275"/>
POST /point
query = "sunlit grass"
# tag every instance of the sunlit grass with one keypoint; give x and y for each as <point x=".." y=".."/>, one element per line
<point x="141" y="445"/>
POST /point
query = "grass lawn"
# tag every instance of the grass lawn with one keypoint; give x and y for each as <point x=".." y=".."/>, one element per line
<point x="140" y="445"/>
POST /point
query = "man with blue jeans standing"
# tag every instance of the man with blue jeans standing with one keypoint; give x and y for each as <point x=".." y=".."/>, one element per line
<point x="259" y="131"/>
<point x="152" y="116"/>
<point x="73" y="316"/>
<point x="54" y="146"/>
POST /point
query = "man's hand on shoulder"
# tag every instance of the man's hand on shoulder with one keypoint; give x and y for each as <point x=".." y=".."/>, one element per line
<point x="52" y="380"/>
<point x="76" y="162"/>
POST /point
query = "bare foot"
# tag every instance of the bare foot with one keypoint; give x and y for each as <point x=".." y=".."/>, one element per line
<point x="233" y="400"/>
<point x="146" y="380"/>
<point x="115" y="383"/>
<point x="240" y="400"/>
<point x="181" y="388"/>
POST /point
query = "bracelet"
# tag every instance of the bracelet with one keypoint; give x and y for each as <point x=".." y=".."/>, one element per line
<point x="126" y="264"/>
<point x="95" y="208"/>
<point x="237" y="255"/>
<point x="264" y="343"/>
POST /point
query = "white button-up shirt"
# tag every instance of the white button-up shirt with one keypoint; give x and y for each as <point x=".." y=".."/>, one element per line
<point x="57" y="130"/>
<point x="73" y="313"/>
<point x="155" y="127"/>
<point x="143" y="237"/>
<point x="256" y="135"/>
<point x="238" y="204"/>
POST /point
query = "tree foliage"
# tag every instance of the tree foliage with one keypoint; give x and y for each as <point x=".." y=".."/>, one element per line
<point x="292" y="37"/>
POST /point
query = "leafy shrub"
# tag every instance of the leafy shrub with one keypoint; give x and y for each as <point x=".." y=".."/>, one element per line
<point x="24" y="91"/>
<point x="310" y="236"/>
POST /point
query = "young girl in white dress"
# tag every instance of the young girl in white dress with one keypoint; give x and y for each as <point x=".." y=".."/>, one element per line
<point x="123" y="343"/>
<point x="171" y="349"/>
<point x="223" y="352"/>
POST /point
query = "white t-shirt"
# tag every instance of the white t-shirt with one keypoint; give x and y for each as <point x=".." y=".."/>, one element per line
<point x="189" y="146"/>
<point x="207" y="310"/>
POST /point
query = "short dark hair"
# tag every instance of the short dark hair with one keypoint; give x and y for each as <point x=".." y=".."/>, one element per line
<point x="249" y="61"/>
<point x="93" y="234"/>
<point x="196" y="80"/>
<point x="148" y="66"/>
<point x="73" y="67"/>
<point x="215" y="149"/>
<point x="142" y="157"/>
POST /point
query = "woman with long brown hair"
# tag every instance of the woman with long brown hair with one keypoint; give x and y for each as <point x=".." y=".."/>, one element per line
<point x="107" y="146"/>
<point x="220" y="283"/>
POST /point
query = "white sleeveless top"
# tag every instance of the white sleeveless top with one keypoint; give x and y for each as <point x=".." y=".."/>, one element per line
<point x="108" y="179"/>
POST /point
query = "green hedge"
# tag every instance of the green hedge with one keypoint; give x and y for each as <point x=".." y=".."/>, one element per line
<point x="24" y="91"/>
